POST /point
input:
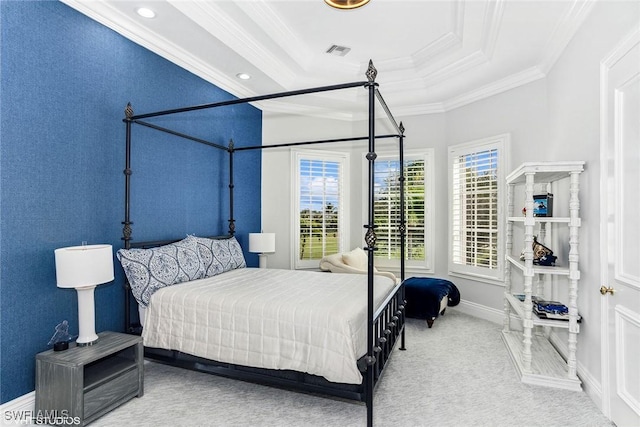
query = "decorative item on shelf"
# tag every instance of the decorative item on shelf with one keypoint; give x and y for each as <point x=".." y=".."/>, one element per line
<point x="60" y="339"/>
<point x="262" y="243"/>
<point x="83" y="268"/>
<point x="543" y="205"/>
<point x="552" y="310"/>
<point x="542" y="255"/>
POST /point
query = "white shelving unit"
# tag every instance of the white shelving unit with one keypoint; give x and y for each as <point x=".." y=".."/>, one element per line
<point x="537" y="361"/>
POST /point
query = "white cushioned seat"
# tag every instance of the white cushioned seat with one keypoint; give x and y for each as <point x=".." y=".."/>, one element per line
<point x="354" y="262"/>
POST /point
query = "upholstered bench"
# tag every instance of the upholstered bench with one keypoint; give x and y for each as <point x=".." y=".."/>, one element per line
<point x="428" y="297"/>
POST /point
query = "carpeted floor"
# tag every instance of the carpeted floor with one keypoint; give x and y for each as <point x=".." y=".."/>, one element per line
<point x="456" y="374"/>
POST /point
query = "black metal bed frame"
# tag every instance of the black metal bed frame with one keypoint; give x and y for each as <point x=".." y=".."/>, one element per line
<point x="385" y="325"/>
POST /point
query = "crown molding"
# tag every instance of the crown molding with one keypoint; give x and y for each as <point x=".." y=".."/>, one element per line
<point x="468" y="62"/>
<point x="282" y="35"/>
<point x="262" y="13"/>
<point x="210" y="17"/>
<point x="491" y="27"/>
<point x="279" y="107"/>
<point x="564" y="32"/>
<point x="419" y="109"/>
<point x="446" y="42"/>
<point x="511" y="82"/>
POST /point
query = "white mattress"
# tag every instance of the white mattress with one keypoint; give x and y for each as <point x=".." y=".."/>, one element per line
<point x="277" y="319"/>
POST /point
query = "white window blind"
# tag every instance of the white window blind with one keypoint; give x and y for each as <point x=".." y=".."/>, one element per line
<point x="418" y="195"/>
<point x="387" y="209"/>
<point x="476" y="214"/>
<point x="320" y="208"/>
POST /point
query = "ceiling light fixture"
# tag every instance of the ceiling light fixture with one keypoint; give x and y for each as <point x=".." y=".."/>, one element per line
<point x="146" y="12"/>
<point x="243" y="76"/>
<point x="346" y="4"/>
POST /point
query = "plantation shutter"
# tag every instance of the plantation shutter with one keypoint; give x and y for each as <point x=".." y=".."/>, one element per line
<point x="319" y="203"/>
<point x="475" y="221"/>
<point x="387" y="209"/>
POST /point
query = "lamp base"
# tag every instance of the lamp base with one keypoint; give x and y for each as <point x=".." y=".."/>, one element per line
<point x="262" y="260"/>
<point x="86" y="343"/>
<point x="86" y="317"/>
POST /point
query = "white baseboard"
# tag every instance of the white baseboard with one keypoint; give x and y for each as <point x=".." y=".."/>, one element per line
<point x="19" y="411"/>
<point x="590" y="385"/>
<point x="480" y="311"/>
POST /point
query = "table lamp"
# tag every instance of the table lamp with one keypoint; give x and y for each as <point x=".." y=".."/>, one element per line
<point x="83" y="268"/>
<point x="262" y="243"/>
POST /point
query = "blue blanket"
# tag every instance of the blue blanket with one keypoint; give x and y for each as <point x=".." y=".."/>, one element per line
<point x="424" y="294"/>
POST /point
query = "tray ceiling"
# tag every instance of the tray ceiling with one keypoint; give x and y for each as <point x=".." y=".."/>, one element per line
<point x="431" y="56"/>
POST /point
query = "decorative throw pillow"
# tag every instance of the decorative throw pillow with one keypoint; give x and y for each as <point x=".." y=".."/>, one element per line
<point x="357" y="258"/>
<point x="151" y="269"/>
<point x="220" y="255"/>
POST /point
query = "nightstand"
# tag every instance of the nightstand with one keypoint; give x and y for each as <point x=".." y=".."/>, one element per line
<point x="78" y="385"/>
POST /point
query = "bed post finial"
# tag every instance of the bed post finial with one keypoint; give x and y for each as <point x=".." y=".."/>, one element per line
<point x="128" y="111"/>
<point x="401" y="129"/>
<point x="370" y="237"/>
<point x="371" y="72"/>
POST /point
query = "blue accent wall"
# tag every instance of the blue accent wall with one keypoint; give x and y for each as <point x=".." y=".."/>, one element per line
<point x="65" y="82"/>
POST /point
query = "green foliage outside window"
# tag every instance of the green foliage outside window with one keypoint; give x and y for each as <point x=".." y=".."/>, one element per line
<point x="319" y="232"/>
<point x="387" y="209"/>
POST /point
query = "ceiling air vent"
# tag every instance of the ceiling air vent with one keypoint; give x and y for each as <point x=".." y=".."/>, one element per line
<point x="338" y="50"/>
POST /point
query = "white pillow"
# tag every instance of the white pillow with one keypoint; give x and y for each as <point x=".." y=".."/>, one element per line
<point x="357" y="258"/>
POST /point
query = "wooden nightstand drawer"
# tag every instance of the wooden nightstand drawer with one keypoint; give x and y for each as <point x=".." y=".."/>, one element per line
<point x="108" y="395"/>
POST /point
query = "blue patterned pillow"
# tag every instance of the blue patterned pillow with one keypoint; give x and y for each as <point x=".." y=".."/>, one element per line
<point x="220" y="255"/>
<point x="151" y="269"/>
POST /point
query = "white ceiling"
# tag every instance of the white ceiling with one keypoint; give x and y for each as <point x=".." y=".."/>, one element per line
<point x="431" y="56"/>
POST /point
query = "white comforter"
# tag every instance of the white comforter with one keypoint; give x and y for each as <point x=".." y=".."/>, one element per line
<point x="277" y="319"/>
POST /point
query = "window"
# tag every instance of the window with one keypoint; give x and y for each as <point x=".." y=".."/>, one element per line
<point x="476" y="217"/>
<point x="320" y="204"/>
<point x="417" y="196"/>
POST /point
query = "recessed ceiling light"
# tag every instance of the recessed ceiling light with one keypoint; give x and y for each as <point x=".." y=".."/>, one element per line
<point x="243" y="76"/>
<point x="145" y="12"/>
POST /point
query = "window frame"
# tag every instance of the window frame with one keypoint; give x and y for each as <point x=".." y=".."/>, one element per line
<point x="501" y="144"/>
<point x="343" y="201"/>
<point x="427" y="156"/>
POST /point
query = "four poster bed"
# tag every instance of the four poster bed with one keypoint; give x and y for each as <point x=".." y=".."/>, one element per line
<point x="315" y="332"/>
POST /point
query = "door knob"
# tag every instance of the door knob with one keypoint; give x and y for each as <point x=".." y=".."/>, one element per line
<point x="604" y="290"/>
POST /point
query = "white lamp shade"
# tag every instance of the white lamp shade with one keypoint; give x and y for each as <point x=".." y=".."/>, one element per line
<point x="82" y="266"/>
<point x="262" y="242"/>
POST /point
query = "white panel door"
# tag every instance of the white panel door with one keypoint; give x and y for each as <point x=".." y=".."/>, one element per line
<point x="620" y="230"/>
